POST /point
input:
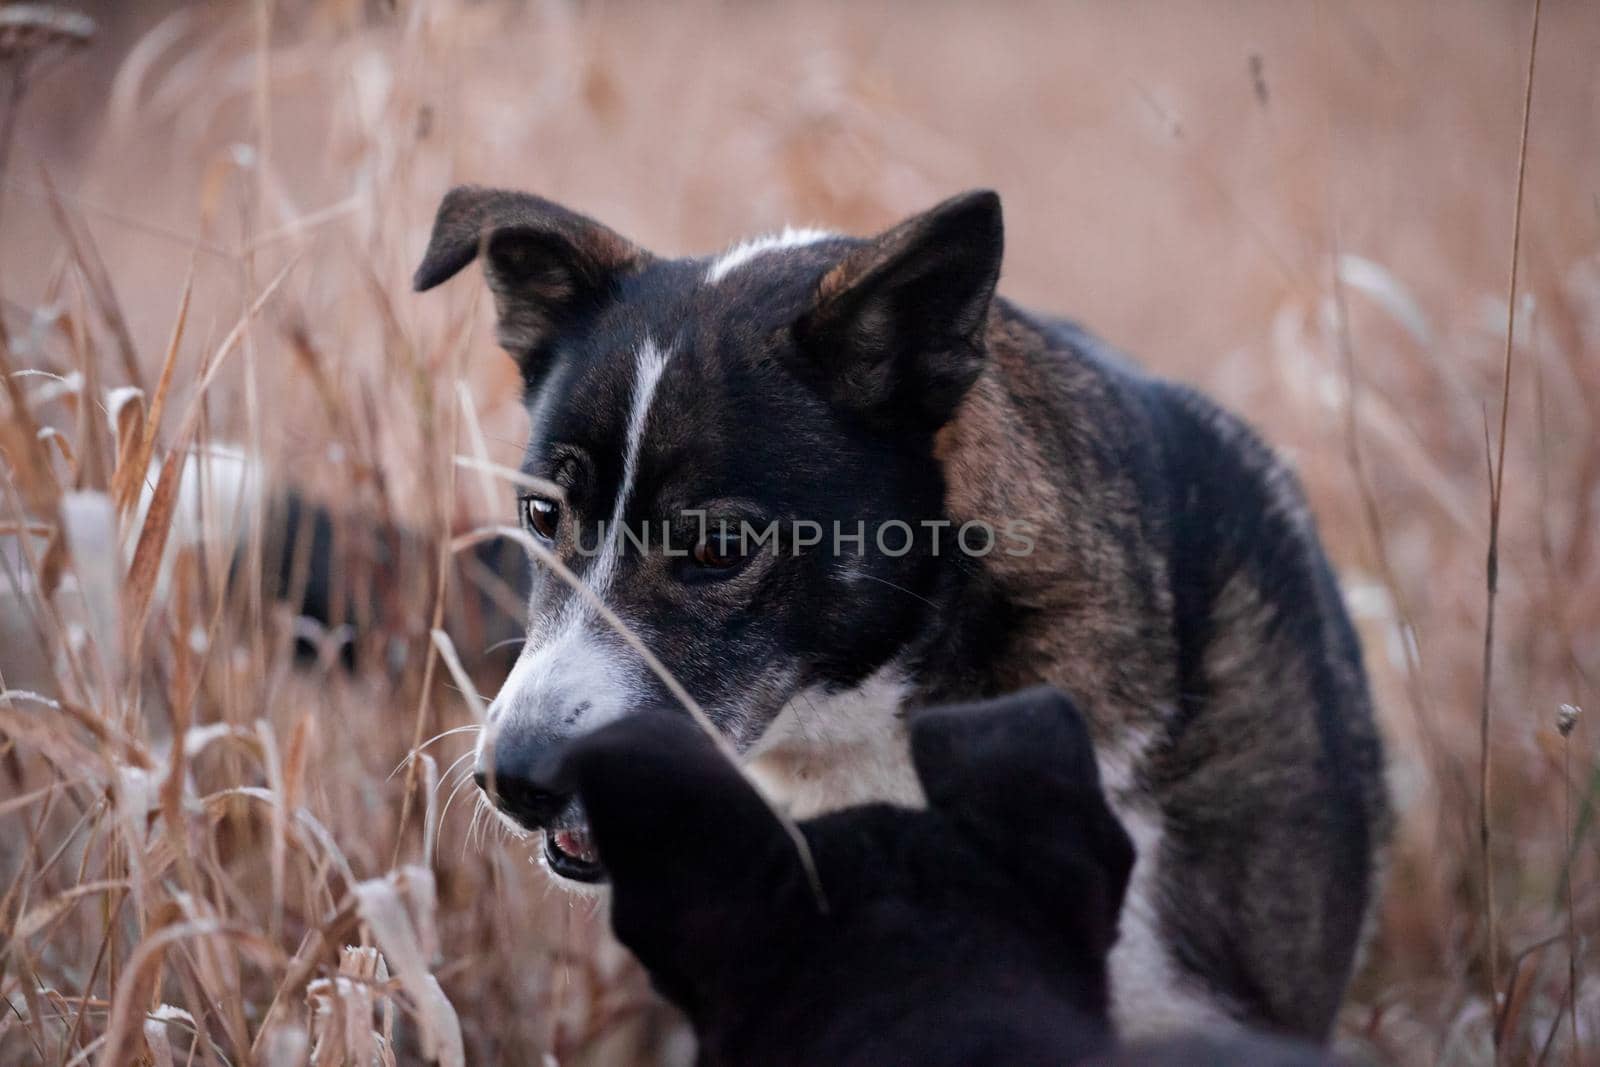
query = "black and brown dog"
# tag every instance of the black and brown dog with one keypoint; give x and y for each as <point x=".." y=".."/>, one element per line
<point x="828" y="479"/>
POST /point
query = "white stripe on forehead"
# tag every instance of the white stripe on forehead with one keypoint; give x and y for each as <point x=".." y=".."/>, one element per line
<point x="745" y="251"/>
<point x="652" y="361"/>
<point x="572" y="680"/>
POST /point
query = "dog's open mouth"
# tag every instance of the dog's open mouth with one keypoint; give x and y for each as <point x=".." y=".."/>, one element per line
<point x="571" y="854"/>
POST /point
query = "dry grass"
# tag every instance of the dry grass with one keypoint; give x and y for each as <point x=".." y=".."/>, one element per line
<point x="1307" y="210"/>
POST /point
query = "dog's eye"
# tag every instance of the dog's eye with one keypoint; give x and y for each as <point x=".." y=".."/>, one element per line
<point x="719" y="552"/>
<point x="541" y="515"/>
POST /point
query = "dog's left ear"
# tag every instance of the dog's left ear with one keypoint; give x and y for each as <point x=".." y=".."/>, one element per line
<point x="547" y="266"/>
<point x="896" y="331"/>
<point x="1019" y="774"/>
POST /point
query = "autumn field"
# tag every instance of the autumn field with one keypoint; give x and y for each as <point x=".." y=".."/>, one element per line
<point x="1331" y="216"/>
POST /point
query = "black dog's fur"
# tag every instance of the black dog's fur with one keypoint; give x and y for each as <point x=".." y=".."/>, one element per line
<point x="973" y="932"/>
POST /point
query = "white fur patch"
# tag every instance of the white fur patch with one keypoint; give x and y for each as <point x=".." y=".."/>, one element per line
<point x="745" y="251"/>
<point x="572" y="684"/>
<point x="829" y="750"/>
<point x="1150" y="996"/>
<point x="575" y="681"/>
<point x="652" y="361"/>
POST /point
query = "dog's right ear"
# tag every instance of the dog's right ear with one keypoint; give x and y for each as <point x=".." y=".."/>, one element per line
<point x="546" y="266"/>
<point x="895" y="333"/>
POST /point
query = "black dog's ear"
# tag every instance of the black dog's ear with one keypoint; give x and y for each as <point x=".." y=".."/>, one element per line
<point x="546" y="265"/>
<point x="684" y="839"/>
<point x="1020" y="773"/>
<point x="982" y="753"/>
<point x="896" y="330"/>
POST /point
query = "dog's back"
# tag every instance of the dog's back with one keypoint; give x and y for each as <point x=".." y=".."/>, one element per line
<point x="1184" y="599"/>
<point x="1270" y="773"/>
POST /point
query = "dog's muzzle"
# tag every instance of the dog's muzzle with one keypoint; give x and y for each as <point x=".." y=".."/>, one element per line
<point x="519" y="789"/>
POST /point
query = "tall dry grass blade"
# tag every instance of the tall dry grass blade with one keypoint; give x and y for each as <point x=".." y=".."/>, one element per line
<point x="49" y="913"/>
<point x="430" y="665"/>
<point x="136" y="985"/>
<point x="342" y="1008"/>
<point x="402" y="934"/>
<point x="126" y="489"/>
<point x="92" y="450"/>
<point x="145" y="569"/>
<point x="302" y="224"/>
<point x="1372" y="513"/>
<point x="100" y="210"/>
<point x="279" y="855"/>
<point x="431" y="816"/>
<point x="128" y="994"/>
<point x="140" y="585"/>
<point x="42" y="577"/>
<point x="295" y="757"/>
<point x="480" y="447"/>
<point x="107" y="940"/>
<point x="309" y="360"/>
<point x="87" y="255"/>
<point x="469" y="691"/>
<point x="231" y="341"/>
<point x="26" y="451"/>
<point x="442" y="566"/>
<point x="491" y="471"/>
<point x="297" y="975"/>
<point x="1519" y="987"/>
<point x="1566" y="720"/>
<point x="1492" y="561"/>
<point x="14" y="804"/>
<point x="126" y="408"/>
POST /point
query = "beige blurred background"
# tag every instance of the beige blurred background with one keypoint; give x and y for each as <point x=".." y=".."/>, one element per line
<point x="1305" y="208"/>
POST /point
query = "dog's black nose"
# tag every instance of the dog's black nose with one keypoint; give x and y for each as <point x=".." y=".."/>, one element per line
<point x="519" y="798"/>
<point x="516" y="787"/>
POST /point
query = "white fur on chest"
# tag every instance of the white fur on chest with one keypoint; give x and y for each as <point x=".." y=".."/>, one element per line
<point x="831" y="750"/>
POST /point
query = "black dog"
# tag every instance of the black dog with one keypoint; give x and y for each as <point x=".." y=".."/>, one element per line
<point x="973" y="932"/>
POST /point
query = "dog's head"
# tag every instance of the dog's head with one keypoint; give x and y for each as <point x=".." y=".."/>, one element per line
<point x="744" y="448"/>
<point x="976" y="930"/>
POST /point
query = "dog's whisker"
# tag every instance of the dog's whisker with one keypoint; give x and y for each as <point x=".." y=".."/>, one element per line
<point x="489" y="820"/>
<point x="445" y="777"/>
<point x="414" y="753"/>
<point x="472" y="827"/>
<point x="451" y="799"/>
<point x="470" y="727"/>
<point x="898" y="588"/>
